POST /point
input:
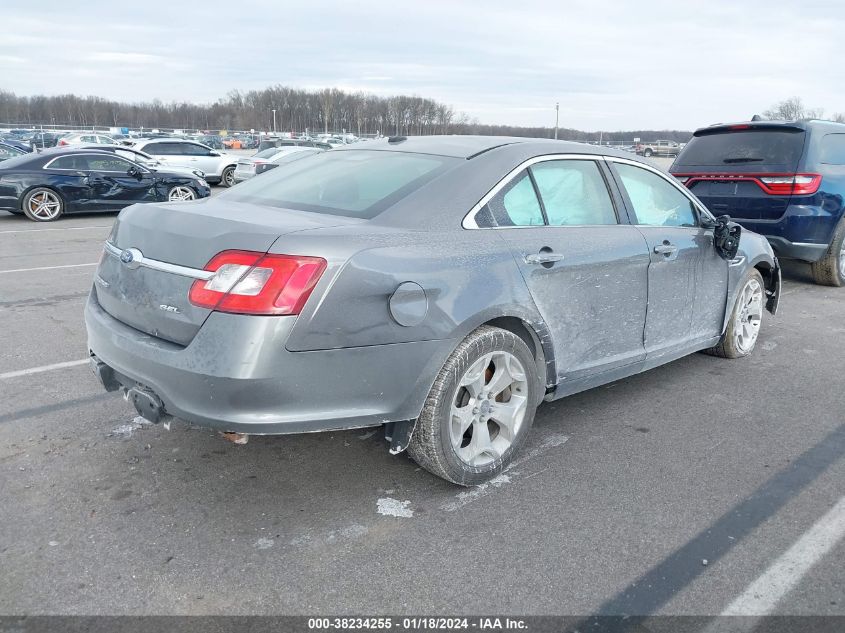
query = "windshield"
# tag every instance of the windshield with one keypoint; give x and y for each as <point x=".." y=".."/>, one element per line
<point x="357" y="184"/>
<point x="748" y="147"/>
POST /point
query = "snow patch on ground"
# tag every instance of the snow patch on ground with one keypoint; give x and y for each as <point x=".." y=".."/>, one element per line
<point x="125" y="430"/>
<point x="390" y="507"/>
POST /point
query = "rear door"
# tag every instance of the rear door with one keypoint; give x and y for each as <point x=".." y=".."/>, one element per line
<point x="736" y="170"/>
<point x="586" y="271"/>
<point x="687" y="280"/>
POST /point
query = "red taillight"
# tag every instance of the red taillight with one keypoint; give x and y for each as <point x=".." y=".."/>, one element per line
<point x="62" y="142"/>
<point x="253" y="283"/>
<point x="772" y="184"/>
<point x="791" y="184"/>
<point x="742" y="126"/>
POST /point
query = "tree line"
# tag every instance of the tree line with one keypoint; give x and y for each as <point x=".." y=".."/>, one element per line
<point x="327" y="110"/>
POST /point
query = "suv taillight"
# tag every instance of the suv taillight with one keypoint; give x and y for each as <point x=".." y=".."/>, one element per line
<point x="792" y="185"/>
<point x="245" y="282"/>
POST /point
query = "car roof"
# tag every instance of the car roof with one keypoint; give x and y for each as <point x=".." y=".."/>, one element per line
<point x="470" y="146"/>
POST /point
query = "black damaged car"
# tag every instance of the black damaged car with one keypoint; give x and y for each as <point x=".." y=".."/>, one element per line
<point x="46" y="186"/>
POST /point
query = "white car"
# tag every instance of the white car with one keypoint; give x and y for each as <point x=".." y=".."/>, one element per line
<point x="85" y="138"/>
<point x="148" y="161"/>
<point x="218" y="167"/>
<point x="269" y="158"/>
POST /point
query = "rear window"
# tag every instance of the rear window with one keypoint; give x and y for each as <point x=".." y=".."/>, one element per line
<point x="267" y="153"/>
<point x="358" y="184"/>
<point x="749" y="147"/>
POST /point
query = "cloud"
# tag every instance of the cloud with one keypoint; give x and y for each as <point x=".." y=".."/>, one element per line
<point x="612" y="64"/>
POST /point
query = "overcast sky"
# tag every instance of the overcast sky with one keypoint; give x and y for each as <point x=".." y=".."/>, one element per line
<point x="611" y="64"/>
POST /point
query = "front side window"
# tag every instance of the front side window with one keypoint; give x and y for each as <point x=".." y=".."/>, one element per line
<point x="574" y="193"/>
<point x="656" y="201"/>
<point x="191" y="149"/>
<point x="158" y="149"/>
<point x="5" y="153"/>
<point x="358" y="184"/>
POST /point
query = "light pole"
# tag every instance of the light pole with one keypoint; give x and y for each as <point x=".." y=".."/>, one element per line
<point x="557" y="117"/>
<point x="274" y="121"/>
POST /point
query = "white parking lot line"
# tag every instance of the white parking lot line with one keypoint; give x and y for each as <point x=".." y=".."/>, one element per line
<point x="26" y="270"/>
<point x="762" y="595"/>
<point x="38" y="370"/>
<point x="69" y="228"/>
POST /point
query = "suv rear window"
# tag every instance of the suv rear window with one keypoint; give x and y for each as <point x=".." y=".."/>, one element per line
<point x="747" y="147"/>
<point x="358" y="184"/>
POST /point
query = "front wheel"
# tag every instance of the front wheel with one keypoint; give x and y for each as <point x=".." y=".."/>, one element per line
<point x="180" y="193"/>
<point x="745" y="320"/>
<point x="648" y="153"/>
<point x="228" y="177"/>
<point x="479" y="409"/>
<point x="43" y="205"/>
<point x="830" y="269"/>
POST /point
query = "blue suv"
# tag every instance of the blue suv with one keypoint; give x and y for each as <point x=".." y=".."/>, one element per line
<point x="783" y="179"/>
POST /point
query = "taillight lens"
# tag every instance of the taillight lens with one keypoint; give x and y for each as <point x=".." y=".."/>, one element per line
<point x="253" y="283"/>
<point x="62" y="142"/>
<point x="797" y="185"/>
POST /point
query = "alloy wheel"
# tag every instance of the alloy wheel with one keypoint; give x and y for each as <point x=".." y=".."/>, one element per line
<point x="229" y="177"/>
<point x="489" y="408"/>
<point x="842" y="261"/>
<point x="45" y="205"/>
<point x="181" y="194"/>
<point x="749" y="315"/>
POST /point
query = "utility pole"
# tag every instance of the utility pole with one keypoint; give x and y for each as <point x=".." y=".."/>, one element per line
<point x="557" y="117"/>
<point x="274" y="121"/>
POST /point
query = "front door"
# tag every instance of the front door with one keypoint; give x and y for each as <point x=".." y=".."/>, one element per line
<point x="687" y="280"/>
<point x="586" y="271"/>
<point x="112" y="188"/>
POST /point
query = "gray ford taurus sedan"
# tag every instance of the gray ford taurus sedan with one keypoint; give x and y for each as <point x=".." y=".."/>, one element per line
<point x="439" y="286"/>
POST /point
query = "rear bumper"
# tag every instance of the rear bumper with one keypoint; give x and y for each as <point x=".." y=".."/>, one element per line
<point x="236" y="375"/>
<point x="803" y="232"/>
<point x="796" y="250"/>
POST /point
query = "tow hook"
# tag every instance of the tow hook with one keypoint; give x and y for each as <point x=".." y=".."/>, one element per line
<point x="235" y="438"/>
<point x="148" y="405"/>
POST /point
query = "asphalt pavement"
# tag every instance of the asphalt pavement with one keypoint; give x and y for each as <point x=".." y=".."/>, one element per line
<point x="702" y="486"/>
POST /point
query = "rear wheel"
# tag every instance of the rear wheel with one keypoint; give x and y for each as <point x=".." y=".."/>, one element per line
<point x="830" y="269"/>
<point x="647" y="153"/>
<point x="43" y="205"/>
<point x="479" y="409"/>
<point x="181" y="193"/>
<point x="745" y="320"/>
<point x="228" y="177"/>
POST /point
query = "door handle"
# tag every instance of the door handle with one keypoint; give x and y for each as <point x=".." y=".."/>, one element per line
<point x="665" y="249"/>
<point x="542" y="258"/>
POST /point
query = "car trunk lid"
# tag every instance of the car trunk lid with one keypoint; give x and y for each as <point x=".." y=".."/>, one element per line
<point x="170" y="245"/>
<point x="736" y="169"/>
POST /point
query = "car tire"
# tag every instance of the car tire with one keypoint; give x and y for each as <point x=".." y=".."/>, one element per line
<point x="181" y="193"/>
<point x="462" y="434"/>
<point x="43" y="204"/>
<point x="745" y="321"/>
<point x="830" y="269"/>
<point x="227" y="178"/>
<point x="647" y="153"/>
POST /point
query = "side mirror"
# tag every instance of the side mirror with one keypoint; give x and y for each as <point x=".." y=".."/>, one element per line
<point x="214" y="153"/>
<point x="726" y="237"/>
<point x="133" y="172"/>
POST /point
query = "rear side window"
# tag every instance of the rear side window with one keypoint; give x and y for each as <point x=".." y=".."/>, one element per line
<point x="357" y="184"/>
<point x="833" y="149"/>
<point x="749" y="147"/>
<point x="574" y="193"/>
<point x="516" y="204"/>
<point x="656" y="201"/>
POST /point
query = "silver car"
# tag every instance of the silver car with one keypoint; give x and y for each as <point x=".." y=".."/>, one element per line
<point x="218" y="167"/>
<point x="441" y="287"/>
<point x="268" y="159"/>
<point x="86" y="138"/>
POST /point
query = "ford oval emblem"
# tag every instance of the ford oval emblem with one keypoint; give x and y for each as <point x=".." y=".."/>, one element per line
<point x="131" y="258"/>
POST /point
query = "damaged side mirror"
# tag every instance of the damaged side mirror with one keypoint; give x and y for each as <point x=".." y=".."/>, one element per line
<point x="726" y="236"/>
